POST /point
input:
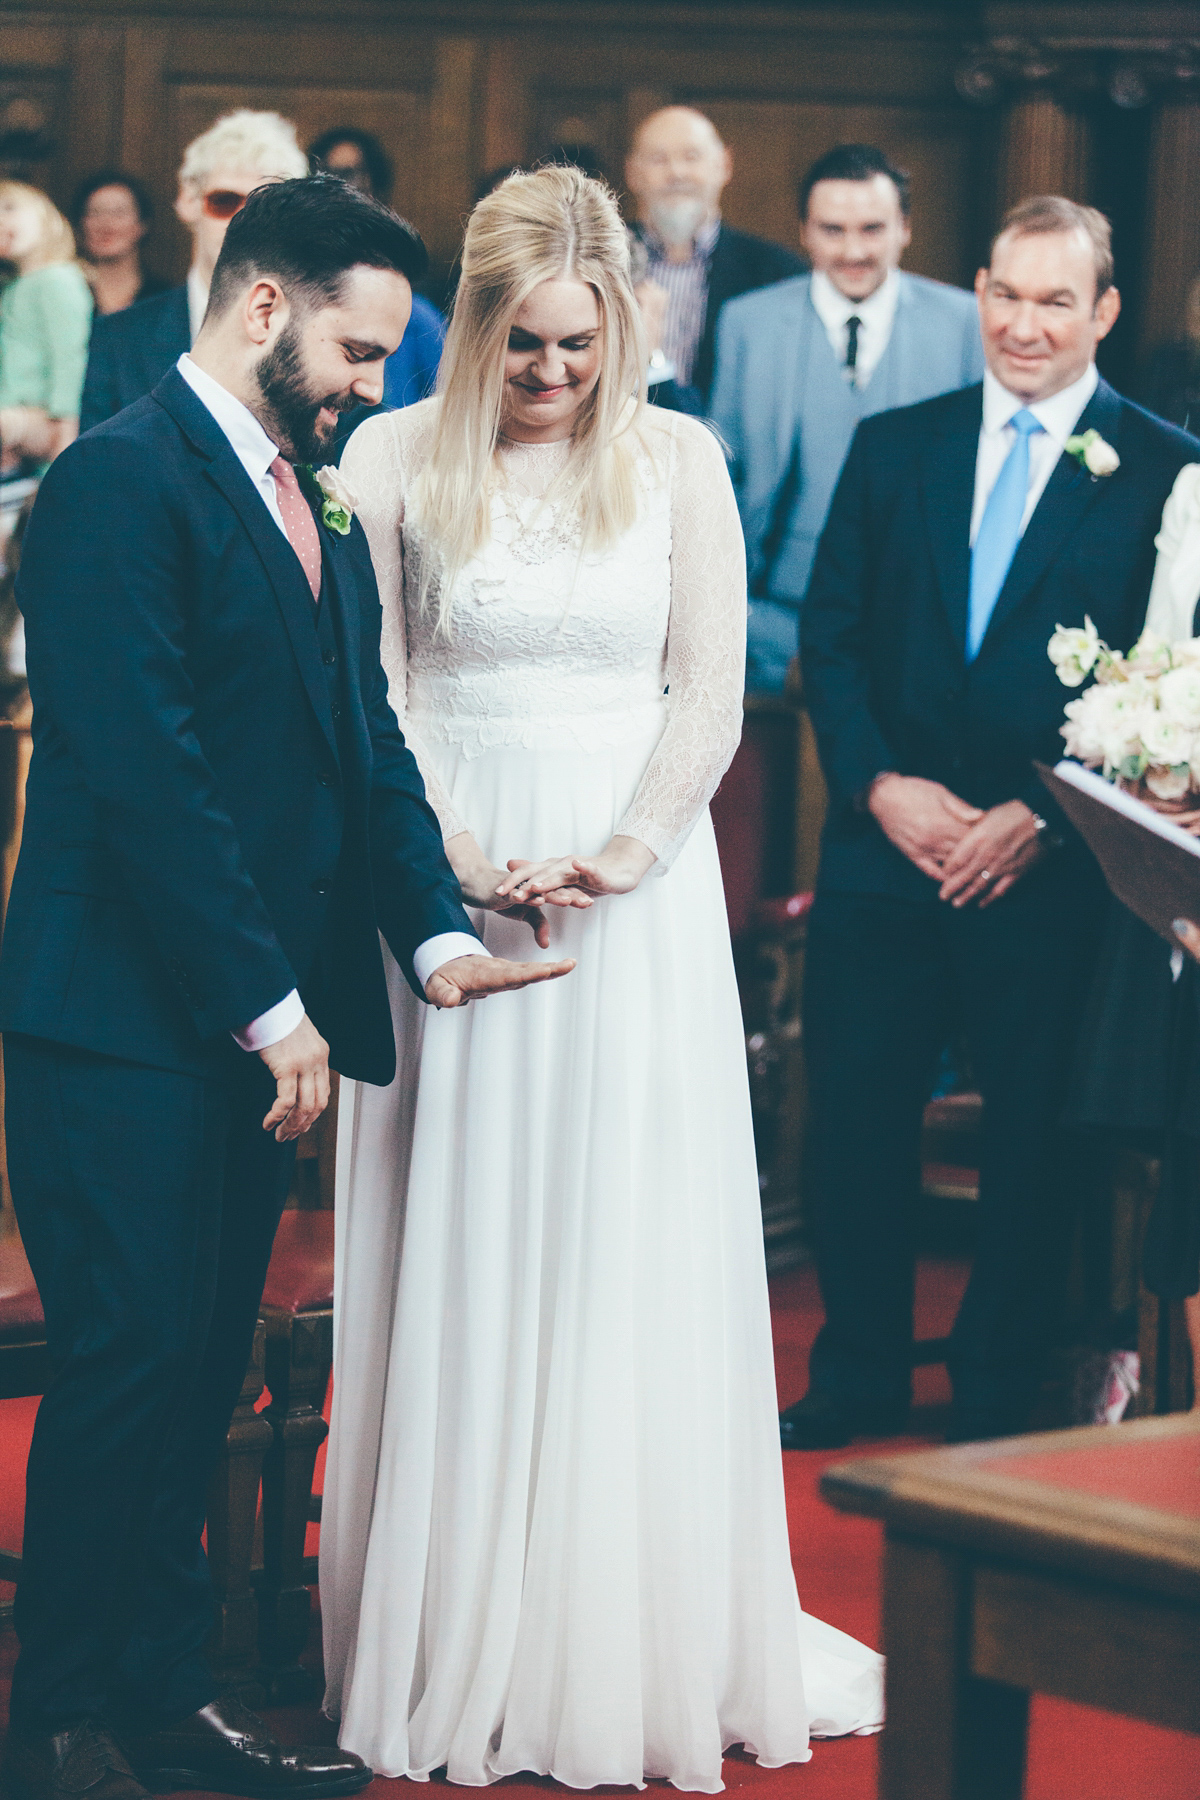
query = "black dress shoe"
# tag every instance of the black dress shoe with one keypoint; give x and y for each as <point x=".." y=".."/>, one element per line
<point x="819" y="1423"/>
<point x="226" y="1749"/>
<point x="81" y="1761"/>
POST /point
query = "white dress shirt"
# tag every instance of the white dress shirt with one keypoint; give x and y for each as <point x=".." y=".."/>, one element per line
<point x="876" y="316"/>
<point x="256" y="452"/>
<point x="1058" y="417"/>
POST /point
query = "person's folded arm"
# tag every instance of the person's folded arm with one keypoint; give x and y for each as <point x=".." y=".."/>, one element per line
<point x="833" y="642"/>
<point x="104" y="575"/>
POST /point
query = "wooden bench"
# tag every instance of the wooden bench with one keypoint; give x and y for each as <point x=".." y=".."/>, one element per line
<point x="1064" y="1564"/>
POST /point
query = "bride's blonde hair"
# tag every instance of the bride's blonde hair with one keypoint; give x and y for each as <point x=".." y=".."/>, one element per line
<point x="552" y="225"/>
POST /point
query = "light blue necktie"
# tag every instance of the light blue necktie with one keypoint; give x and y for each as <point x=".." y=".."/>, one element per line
<point x="999" y="533"/>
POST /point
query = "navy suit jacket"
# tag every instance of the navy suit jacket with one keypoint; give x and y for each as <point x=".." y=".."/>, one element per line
<point x="739" y="263"/>
<point x="211" y="820"/>
<point x="131" y="351"/>
<point x="883" y="629"/>
<point x="788" y="417"/>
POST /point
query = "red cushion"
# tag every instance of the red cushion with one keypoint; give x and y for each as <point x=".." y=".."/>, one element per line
<point x="21" y="1318"/>
<point x="773" y="915"/>
<point x="300" y="1278"/>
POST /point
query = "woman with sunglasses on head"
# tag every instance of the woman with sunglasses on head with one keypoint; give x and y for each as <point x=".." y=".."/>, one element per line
<point x="554" y="1535"/>
<point x="132" y="350"/>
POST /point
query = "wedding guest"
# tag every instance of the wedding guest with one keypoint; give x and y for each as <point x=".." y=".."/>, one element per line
<point x="962" y="531"/>
<point x="554" y="1535"/>
<point x="356" y="157"/>
<point x="45" y="317"/>
<point x="359" y="158"/>
<point x="132" y="350"/>
<point x="1138" y="1068"/>
<point x="799" y="365"/>
<point x="677" y="170"/>
<point x="112" y="212"/>
<point x="1169" y="383"/>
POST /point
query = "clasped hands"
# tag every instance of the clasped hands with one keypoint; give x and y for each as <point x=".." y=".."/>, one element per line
<point x="975" y="855"/>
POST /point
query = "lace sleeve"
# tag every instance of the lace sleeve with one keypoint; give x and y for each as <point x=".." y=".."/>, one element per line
<point x="706" y="648"/>
<point x="373" y="464"/>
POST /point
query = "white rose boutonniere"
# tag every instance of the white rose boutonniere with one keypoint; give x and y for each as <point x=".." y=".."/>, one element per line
<point x="1093" y="453"/>
<point x="335" y="497"/>
<point x="1074" y="651"/>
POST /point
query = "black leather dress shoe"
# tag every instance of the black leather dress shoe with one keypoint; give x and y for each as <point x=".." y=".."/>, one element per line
<point x="820" y="1423"/>
<point x="226" y="1749"/>
<point x="80" y="1763"/>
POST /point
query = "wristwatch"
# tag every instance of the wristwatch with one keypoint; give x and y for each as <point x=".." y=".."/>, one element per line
<point x="1050" y="839"/>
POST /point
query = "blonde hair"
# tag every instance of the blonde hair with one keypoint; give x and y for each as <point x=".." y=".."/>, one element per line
<point x="56" y="241"/>
<point x="553" y="225"/>
<point x="250" y="143"/>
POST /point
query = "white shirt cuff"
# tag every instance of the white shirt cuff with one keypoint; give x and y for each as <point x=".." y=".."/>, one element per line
<point x="273" y="1025"/>
<point x="429" y="956"/>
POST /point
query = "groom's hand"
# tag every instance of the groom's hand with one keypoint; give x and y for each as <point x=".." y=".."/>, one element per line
<point x="474" y="977"/>
<point x="300" y="1064"/>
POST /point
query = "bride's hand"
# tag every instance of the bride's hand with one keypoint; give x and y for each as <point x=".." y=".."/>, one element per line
<point x="553" y="881"/>
<point x="617" y="870"/>
<point x="481" y="885"/>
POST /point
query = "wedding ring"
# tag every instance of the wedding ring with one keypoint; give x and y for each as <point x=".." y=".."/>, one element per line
<point x="985" y="875"/>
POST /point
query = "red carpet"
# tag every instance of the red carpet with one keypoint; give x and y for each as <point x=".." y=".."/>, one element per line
<point x="1075" y="1754"/>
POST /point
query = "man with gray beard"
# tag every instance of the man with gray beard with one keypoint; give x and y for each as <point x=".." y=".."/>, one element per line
<point x="676" y="170"/>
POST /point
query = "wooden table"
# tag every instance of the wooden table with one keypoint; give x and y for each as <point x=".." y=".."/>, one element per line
<point x="1067" y="1563"/>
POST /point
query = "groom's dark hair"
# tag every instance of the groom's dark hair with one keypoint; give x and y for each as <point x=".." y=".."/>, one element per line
<point x="308" y="234"/>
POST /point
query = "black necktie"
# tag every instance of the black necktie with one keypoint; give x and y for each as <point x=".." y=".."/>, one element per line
<point x="853" y="323"/>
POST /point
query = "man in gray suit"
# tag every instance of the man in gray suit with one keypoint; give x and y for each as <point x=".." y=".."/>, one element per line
<point x="801" y="363"/>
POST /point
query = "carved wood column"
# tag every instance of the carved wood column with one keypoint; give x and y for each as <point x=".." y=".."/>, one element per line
<point x="1172" y="248"/>
<point x="1045" y="149"/>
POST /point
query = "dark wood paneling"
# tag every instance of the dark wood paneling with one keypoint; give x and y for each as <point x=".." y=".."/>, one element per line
<point x="456" y="87"/>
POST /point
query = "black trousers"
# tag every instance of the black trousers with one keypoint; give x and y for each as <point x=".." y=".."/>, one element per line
<point x="148" y="1202"/>
<point x="887" y="982"/>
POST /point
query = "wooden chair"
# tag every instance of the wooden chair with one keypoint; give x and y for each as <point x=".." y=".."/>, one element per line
<point x="297" y="1309"/>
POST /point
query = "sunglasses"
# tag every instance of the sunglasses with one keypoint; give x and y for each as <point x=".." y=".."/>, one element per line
<point x="222" y="203"/>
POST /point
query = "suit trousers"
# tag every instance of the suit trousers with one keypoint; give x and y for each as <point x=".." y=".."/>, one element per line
<point x="148" y="1201"/>
<point x="887" y="983"/>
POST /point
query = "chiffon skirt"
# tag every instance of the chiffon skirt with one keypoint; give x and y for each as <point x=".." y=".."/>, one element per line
<point x="554" y="1536"/>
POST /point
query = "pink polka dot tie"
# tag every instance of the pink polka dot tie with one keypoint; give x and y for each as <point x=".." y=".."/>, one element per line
<point x="298" y="522"/>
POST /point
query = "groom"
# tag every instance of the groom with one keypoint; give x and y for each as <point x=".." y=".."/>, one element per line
<point x="950" y="896"/>
<point x="222" y="817"/>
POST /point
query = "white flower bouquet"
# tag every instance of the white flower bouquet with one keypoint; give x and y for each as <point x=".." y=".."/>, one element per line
<point x="1139" y="721"/>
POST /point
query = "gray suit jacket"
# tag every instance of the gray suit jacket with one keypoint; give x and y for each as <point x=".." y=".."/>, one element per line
<point x="788" y="416"/>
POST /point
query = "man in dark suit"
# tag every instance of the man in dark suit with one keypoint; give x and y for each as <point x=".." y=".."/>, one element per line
<point x="132" y="350"/>
<point x="222" y="816"/>
<point x="676" y="170"/>
<point x="963" y="530"/>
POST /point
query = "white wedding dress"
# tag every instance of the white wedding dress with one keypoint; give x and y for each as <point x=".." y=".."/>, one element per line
<point x="554" y="1535"/>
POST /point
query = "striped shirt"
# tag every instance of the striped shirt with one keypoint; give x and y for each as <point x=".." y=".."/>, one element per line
<point x="687" y="295"/>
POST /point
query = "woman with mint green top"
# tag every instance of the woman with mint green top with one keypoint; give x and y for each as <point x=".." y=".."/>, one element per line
<point x="45" y="323"/>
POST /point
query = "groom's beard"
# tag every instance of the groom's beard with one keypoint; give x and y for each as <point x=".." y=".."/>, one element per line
<point x="292" y="406"/>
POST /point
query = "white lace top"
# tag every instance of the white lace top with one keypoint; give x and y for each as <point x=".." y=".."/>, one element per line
<point x="553" y="649"/>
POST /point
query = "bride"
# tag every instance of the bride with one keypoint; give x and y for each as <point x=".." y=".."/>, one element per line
<point x="554" y="1536"/>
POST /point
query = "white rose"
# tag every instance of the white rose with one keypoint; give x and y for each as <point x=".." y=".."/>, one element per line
<point x="1101" y="458"/>
<point x="1151" y="655"/>
<point x="1164" y="739"/>
<point x="1179" y="696"/>
<point x="1168" y="783"/>
<point x="1104" y="725"/>
<point x="333" y="483"/>
<point x="1073" y="651"/>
